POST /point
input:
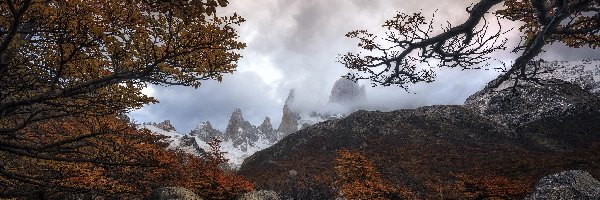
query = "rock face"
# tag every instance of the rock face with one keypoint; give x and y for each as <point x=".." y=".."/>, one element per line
<point x="165" y="125"/>
<point x="205" y="132"/>
<point x="346" y="96"/>
<point x="176" y="140"/>
<point x="260" y="195"/>
<point x="173" y="193"/>
<point x="267" y="130"/>
<point x="289" y="119"/>
<point x="566" y="185"/>
<point x="347" y="92"/>
<point x="495" y="133"/>
<point x="566" y="85"/>
<point x="240" y="131"/>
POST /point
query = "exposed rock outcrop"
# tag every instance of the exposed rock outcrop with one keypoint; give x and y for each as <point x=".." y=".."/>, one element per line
<point x="173" y="193"/>
<point x="260" y="195"/>
<point x="347" y="92"/>
<point x="289" y="119"/>
<point x="165" y="125"/>
<point x="565" y="85"/>
<point x="266" y="129"/>
<point x="205" y="132"/>
<point x="176" y="140"/>
<point x="240" y="131"/>
<point x="575" y="184"/>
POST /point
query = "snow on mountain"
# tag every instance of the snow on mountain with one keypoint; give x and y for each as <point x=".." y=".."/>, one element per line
<point x="565" y="86"/>
<point x="177" y="141"/>
<point x="242" y="139"/>
<point x="585" y="73"/>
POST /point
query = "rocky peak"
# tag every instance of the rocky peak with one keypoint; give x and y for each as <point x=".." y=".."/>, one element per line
<point x="289" y="119"/>
<point x="347" y="92"/>
<point x="205" y="132"/>
<point x="236" y="121"/>
<point x="165" y="125"/>
<point x="267" y="130"/>
<point x="240" y="131"/>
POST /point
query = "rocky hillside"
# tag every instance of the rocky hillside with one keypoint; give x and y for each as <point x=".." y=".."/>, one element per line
<point x="498" y="143"/>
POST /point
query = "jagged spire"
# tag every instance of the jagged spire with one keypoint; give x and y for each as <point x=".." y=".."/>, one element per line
<point x="267" y="130"/>
<point x="235" y="122"/>
<point x="289" y="119"/>
<point x="290" y="97"/>
<point x="240" y="131"/>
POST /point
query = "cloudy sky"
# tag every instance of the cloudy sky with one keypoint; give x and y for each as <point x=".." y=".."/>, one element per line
<point x="294" y="44"/>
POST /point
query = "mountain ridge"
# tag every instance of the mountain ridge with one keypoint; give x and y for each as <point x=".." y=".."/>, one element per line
<point x="495" y="135"/>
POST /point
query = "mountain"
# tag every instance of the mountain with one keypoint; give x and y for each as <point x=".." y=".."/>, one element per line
<point x="241" y="139"/>
<point x="565" y="85"/>
<point x="267" y="130"/>
<point x="348" y="93"/>
<point x="346" y="96"/>
<point x="176" y="140"/>
<point x="205" y="132"/>
<point x="289" y="119"/>
<point x="499" y="141"/>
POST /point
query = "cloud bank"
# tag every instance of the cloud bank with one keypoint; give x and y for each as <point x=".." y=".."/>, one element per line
<point x="294" y="44"/>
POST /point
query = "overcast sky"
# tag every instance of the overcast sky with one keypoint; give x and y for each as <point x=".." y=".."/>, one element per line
<point x="294" y="44"/>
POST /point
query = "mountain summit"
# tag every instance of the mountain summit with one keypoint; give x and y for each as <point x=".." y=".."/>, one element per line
<point x="348" y="93"/>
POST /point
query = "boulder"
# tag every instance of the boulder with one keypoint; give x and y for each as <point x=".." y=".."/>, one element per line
<point x="260" y="195"/>
<point x="574" y="184"/>
<point x="173" y="193"/>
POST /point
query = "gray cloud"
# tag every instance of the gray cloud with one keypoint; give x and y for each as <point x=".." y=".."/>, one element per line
<point x="294" y="44"/>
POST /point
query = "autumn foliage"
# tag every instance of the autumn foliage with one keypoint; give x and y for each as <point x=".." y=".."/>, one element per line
<point x="121" y="162"/>
<point x="71" y="70"/>
<point x="357" y="178"/>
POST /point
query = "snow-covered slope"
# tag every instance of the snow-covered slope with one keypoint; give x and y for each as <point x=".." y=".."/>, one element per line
<point x="177" y="141"/>
<point x="234" y="154"/>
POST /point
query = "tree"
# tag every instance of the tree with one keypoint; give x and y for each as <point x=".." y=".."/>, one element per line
<point x="207" y="178"/>
<point x="122" y="162"/>
<point x="86" y="58"/>
<point x="118" y="160"/>
<point x="410" y="42"/>
<point x="69" y="70"/>
<point x="357" y="178"/>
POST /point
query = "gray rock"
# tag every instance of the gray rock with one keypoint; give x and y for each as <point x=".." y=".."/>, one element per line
<point x="289" y="119"/>
<point x="347" y="92"/>
<point x="574" y="184"/>
<point x="240" y="131"/>
<point x="563" y="86"/>
<point x="260" y="195"/>
<point x="165" y="125"/>
<point x="173" y="193"/>
<point x="267" y="130"/>
<point x="205" y="132"/>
